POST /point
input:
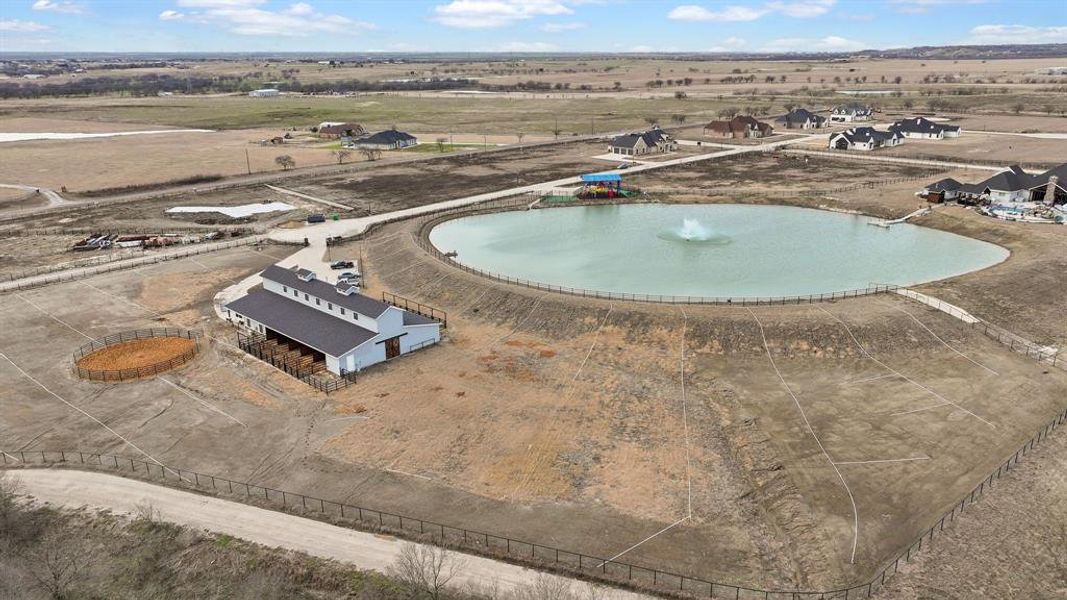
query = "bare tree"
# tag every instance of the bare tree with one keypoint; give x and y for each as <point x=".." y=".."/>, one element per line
<point x="520" y="135"/>
<point x="426" y="569"/>
<point x="1018" y="108"/>
<point x="285" y="161"/>
<point x="371" y="154"/>
<point x="651" y="120"/>
<point x="441" y="143"/>
<point x="59" y="564"/>
<point x="341" y="155"/>
<point x="10" y="488"/>
<point x="553" y="587"/>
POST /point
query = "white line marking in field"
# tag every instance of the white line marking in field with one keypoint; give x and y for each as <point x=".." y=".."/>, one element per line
<point x="887" y="460"/>
<point x="671" y="526"/>
<point x="906" y="378"/>
<point x="916" y="410"/>
<point x="685" y="422"/>
<point x="53" y="317"/>
<point x="811" y="430"/>
<point x="946" y="344"/>
<point x="94" y="419"/>
<point x="202" y="401"/>
<point x="596" y="338"/>
<point x="523" y="320"/>
<point x="869" y="379"/>
<point x="348" y="418"/>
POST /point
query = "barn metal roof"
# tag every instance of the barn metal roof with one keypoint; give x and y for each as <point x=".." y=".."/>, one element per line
<point x="333" y="335"/>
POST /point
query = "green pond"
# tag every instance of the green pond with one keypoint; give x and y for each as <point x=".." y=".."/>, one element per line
<point x="718" y="250"/>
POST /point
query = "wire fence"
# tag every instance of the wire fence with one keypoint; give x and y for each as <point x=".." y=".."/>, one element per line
<point x="516" y="550"/>
<point x="73" y="273"/>
<point x="418" y="308"/>
<point x="421" y="239"/>
<point x="142" y="370"/>
<point x="1014" y="342"/>
<point x="812" y="192"/>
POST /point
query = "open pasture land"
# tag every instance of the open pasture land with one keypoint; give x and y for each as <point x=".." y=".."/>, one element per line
<point x="112" y="163"/>
<point x="392" y="187"/>
<point x="975" y="147"/>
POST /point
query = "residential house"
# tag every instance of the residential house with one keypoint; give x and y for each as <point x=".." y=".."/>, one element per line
<point x="864" y="138"/>
<point x="801" y="118"/>
<point x="923" y="128"/>
<point x="390" y="139"/>
<point x="853" y="111"/>
<point x="1013" y="185"/>
<point x="653" y="141"/>
<point x="340" y="130"/>
<point x="334" y="323"/>
<point x="741" y="126"/>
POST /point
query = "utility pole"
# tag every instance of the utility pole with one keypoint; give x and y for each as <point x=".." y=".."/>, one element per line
<point x="248" y="162"/>
<point x="592" y="131"/>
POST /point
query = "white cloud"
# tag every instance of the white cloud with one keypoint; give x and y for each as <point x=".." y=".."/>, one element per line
<point x="21" y="26"/>
<point x="528" y="47"/>
<point x="561" y="27"/>
<point x="642" y="49"/>
<point x="831" y="43"/>
<point x="489" y="14"/>
<point x="1017" y="34"/>
<point x="802" y="9"/>
<point x="246" y="17"/>
<point x="692" y="12"/>
<point x="917" y="7"/>
<point x="60" y="6"/>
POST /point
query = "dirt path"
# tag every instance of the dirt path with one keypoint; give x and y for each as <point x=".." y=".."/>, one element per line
<point x="272" y="529"/>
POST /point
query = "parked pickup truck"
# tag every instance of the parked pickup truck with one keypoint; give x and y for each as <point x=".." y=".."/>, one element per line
<point x="337" y="265"/>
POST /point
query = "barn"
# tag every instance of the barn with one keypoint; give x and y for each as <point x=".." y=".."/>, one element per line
<point x="335" y="325"/>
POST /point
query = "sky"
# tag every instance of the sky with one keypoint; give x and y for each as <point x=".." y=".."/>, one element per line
<point x="521" y="25"/>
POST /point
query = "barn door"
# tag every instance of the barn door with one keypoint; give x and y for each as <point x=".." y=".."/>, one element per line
<point x="392" y="348"/>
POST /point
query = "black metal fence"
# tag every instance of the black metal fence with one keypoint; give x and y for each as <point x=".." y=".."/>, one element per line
<point x="416" y="307"/>
<point x="27" y="281"/>
<point x="521" y="551"/>
<point x="141" y="371"/>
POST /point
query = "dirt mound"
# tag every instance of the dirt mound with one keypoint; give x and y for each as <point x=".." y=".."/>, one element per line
<point x="136" y="354"/>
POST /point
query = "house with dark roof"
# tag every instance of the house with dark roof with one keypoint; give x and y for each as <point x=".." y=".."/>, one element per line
<point x="335" y="324"/>
<point x="739" y="127"/>
<point x="653" y="141"/>
<point x="390" y="139"/>
<point x="801" y="118"/>
<point x="1015" y="185"/>
<point x="923" y="128"/>
<point x="852" y="111"/>
<point x="941" y="191"/>
<point x="864" y="138"/>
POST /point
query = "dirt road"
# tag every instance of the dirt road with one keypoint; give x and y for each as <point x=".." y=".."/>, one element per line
<point x="75" y="489"/>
